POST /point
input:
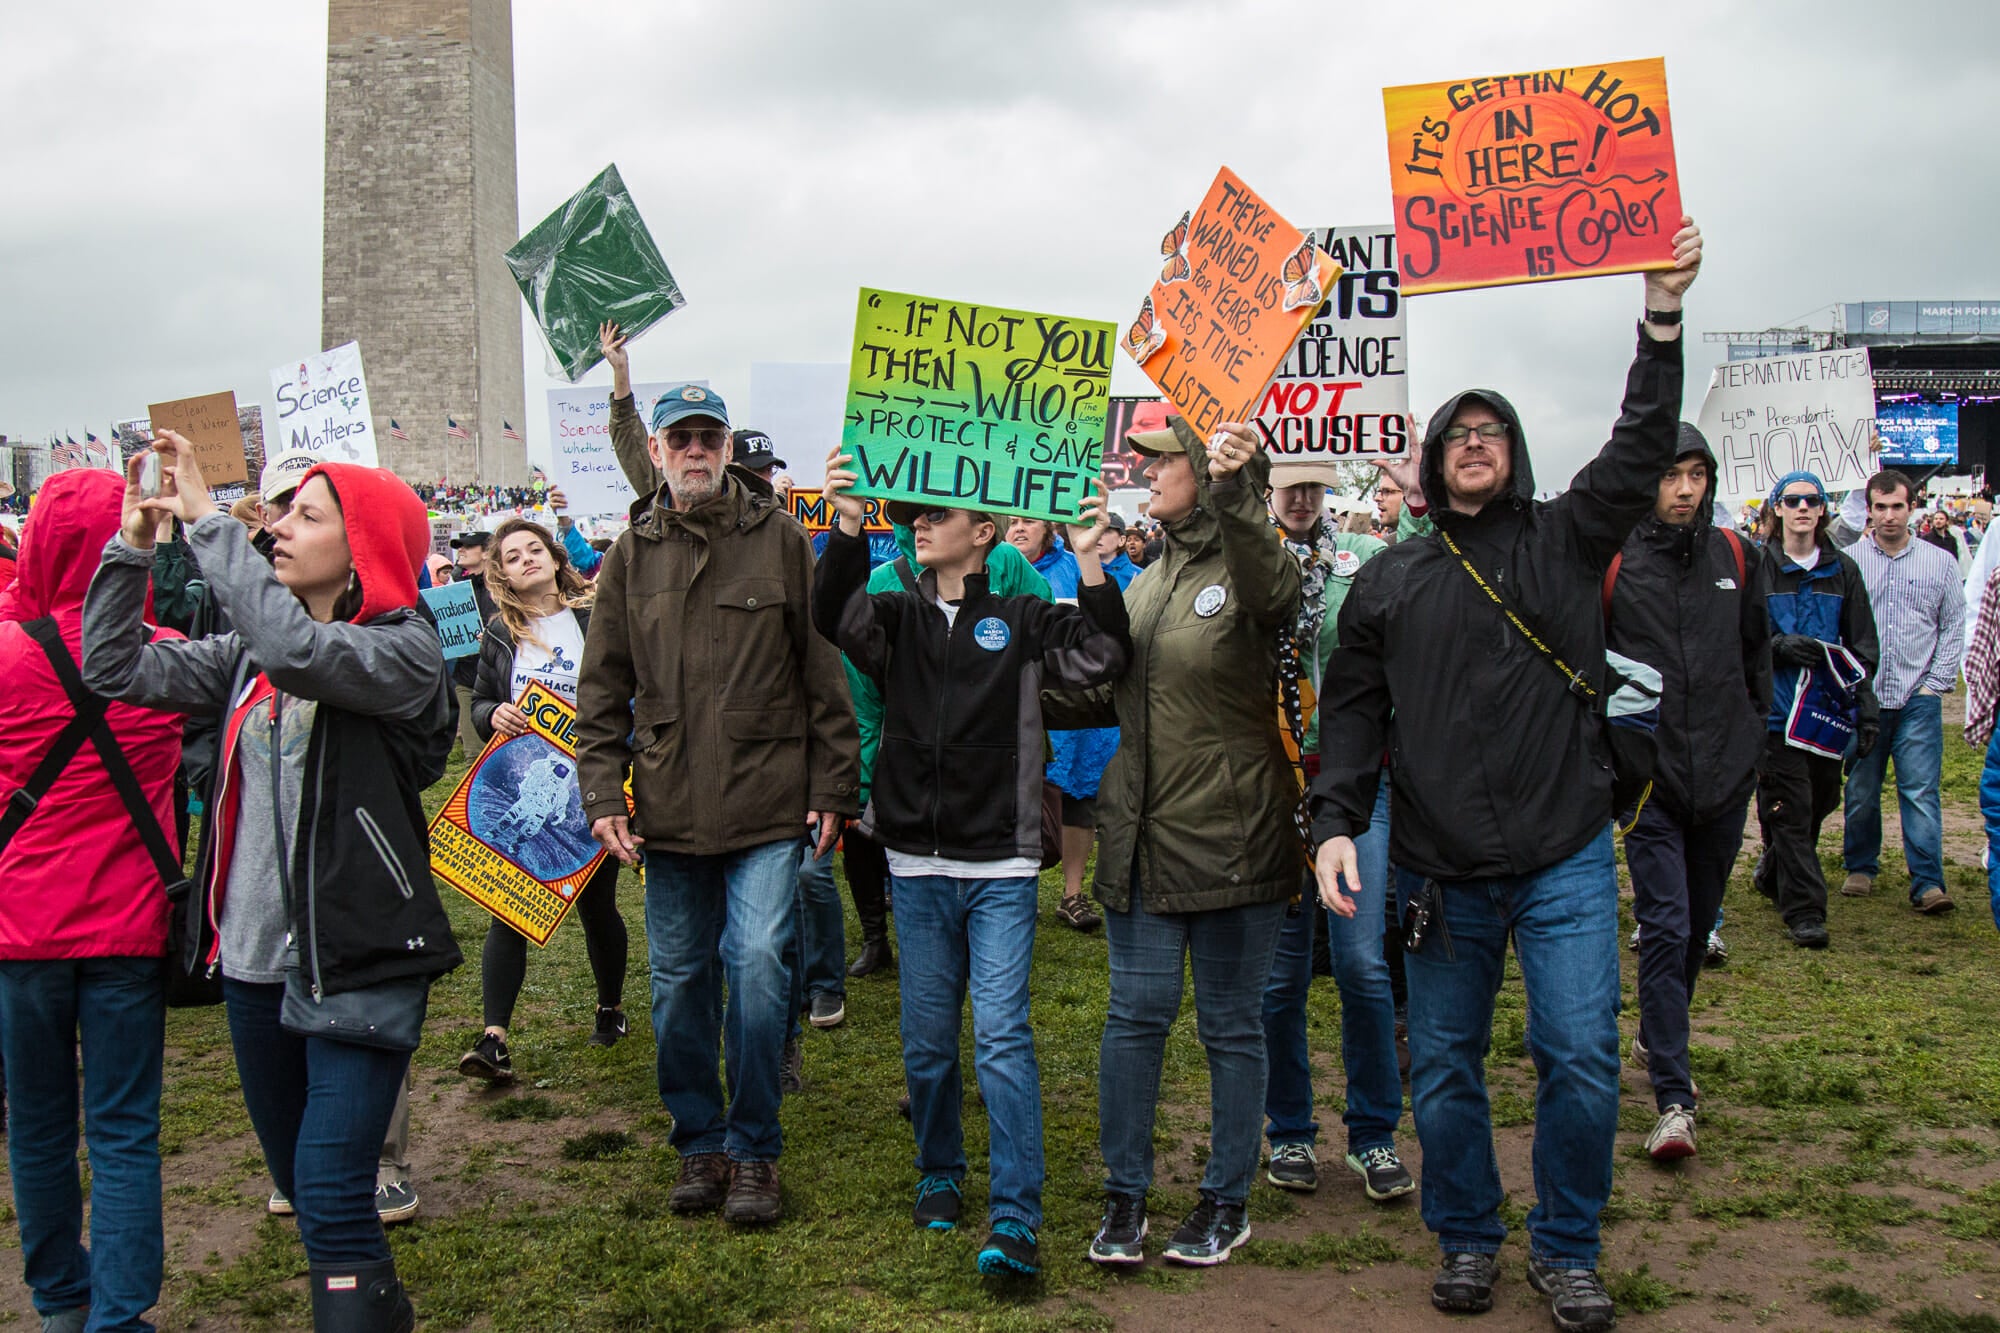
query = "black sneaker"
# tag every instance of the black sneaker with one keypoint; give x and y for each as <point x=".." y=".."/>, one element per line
<point x="488" y="1059"/>
<point x="1293" y="1166"/>
<point x="1011" y="1250"/>
<point x="792" y="1068"/>
<point x="1464" y="1283"/>
<point x="1577" y="1300"/>
<point x="1808" y="933"/>
<point x="937" y="1203"/>
<point x="826" y="1010"/>
<point x="1210" y="1234"/>
<point x="1382" y="1173"/>
<point x="1122" y="1237"/>
<point x="610" y="1027"/>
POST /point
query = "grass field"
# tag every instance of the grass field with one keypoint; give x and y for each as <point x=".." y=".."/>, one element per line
<point x="1849" y="1175"/>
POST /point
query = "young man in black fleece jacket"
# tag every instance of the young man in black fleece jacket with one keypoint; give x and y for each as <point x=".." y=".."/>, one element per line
<point x="1501" y="800"/>
<point x="956" y="805"/>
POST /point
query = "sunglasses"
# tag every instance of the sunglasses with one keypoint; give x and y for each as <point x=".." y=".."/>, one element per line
<point x="933" y="517"/>
<point x="711" y="438"/>
<point x="1801" y="501"/>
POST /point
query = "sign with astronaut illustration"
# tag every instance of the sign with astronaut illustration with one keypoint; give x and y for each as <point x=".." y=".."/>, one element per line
<point x="513" y="837"/>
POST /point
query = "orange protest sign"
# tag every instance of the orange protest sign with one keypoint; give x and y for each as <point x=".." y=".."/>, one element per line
<point x="1560" y="173"/>
<point x="1237" y="285"/>
<point x="209" y="423"/>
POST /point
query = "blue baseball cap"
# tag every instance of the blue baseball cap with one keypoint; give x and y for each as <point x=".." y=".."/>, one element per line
<point x="688" y="400"/>
<point x="1792" y="477"/>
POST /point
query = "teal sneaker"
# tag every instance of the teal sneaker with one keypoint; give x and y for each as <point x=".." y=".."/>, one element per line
<point x="937" y="1203"/>
<point x="1011" y="1250"/>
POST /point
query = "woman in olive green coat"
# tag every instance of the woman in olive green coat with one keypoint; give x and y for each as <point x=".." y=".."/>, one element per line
<point x="1197" y="850"/>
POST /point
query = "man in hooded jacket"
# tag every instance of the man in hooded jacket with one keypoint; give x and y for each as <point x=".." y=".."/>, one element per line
<point x="1679" y="598"/>
<point x="1475" y="657"/>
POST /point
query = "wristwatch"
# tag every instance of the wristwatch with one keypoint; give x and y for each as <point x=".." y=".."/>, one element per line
<point x="1662" y="317"/>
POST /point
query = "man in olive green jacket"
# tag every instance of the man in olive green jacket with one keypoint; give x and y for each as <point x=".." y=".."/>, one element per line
<point x="703" y="675"/>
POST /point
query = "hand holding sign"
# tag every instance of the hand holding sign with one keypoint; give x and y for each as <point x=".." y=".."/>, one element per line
<point x="1090" y="524"/>
<point x="839" y="492"/>
<point x="611" y="344"/>
<point x="1666" y="287"/>
<point x="1229" y="449"/>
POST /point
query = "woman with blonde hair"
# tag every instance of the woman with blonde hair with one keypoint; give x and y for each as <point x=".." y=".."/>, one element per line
<point x="536" y="636"/>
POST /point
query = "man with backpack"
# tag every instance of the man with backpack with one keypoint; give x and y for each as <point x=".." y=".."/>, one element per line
<point x="1679" y="597"/>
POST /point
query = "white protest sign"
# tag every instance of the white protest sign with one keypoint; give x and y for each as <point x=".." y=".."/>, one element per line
<point x="321" y="404"/>
<point x="1812" y="412"/>
<point x="1343" y="394"/>
<point x="799" y="404"/>
<point x="581" y="459"/>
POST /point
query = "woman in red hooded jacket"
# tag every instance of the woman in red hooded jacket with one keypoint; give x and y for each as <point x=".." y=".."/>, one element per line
<point x="314" y="893"/>
<point x="83" y="922"/>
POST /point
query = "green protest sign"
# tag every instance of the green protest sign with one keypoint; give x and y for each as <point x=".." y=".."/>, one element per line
<point x="590" y="261"/>
<point x="973" y="407"/>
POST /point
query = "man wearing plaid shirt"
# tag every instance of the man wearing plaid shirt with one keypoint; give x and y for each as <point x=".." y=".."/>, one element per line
<point x="1919" y="608"/>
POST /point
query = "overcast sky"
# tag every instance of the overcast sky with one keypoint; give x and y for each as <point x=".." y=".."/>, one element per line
<point x="161" y="233"/>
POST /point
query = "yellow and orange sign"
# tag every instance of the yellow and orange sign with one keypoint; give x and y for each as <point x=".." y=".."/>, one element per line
<point x="1557" y="173"/>
<point x="1237" y="286"/>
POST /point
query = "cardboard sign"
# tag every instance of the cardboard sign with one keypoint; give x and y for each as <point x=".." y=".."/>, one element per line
<point x="455" y="607"/>
<point x="581" y="459"/>
<point x="1814" y="412"/>
<point x="1237" y="286"/>
<point x="513" y="837"/>
<point x="589" y="261"/>
<point x="951" y="403"/>
<point x="1557" y="173"/>
<point x="210" y="425"/>
<point x="320" y="403"/>
<point x="1343" y="394"/>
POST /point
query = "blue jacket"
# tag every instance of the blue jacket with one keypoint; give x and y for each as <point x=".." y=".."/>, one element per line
<point x="1828" y="602"/>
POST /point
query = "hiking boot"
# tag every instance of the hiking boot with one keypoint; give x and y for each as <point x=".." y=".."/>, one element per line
<point x="1933" y="902"/>
<point x="875" y="956"/>
<point x="1718" y="952"/>
<point x="1464" y="1283"/>
<point x="1857" y="885"/>
<point x="1210" y="1234"/>
<point x="1011" y="1250"/>
<point x="827" y="1010"/>
<point x="610" y="1027"/>
<point x="754" y="1199"/>
<point x="395" y="1202"/>
<point x="279" y="1206"/>
<point x="1121" y="1238"/>
<point x="937" y="1203"/>
<point x="1577" y="1300"/>
<point x="1382" y="1173"/>
<point x="488" y="1059"/>
<point x="792" y="1068"/>
<point x="1672" y="1138"/>
<point x="1294" y="1166"/>
<point x="703" y="1184"/>
<point x="1075" y="913"/>
<point x="1809" y="933"/>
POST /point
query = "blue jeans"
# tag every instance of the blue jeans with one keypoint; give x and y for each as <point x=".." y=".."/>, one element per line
<point x="956" y="937"/>
<point x="321" y="1109"/>
<point x="1989" y="806"/>
<point x="710" y="920"/>
<point x="115" y="1008"/>
<point x="1367" y="1009"/>
<point x="1564" y="923"/>
<point x="1914" y="735"/>
<point x="1231" y="950"/>
<point x="817" y="959"/>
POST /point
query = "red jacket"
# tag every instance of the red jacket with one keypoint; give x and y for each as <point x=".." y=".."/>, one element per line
<point x="75" y="881"/>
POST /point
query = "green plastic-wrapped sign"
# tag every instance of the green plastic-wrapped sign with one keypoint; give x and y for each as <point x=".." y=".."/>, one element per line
<point x="590" y="261"/>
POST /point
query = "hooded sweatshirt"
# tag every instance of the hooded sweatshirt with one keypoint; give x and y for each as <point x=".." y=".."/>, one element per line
<point x="75" y="880"/>
<point x="349" y="828"/>
<point x="1499" y="768"/>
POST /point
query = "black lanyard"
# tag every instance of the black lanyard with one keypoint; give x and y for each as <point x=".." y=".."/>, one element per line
<point x="1579" y="684"/>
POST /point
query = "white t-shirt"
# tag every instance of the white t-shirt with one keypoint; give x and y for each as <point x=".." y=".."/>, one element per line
<point x="905" y="865"/>
<point x="1806" y="561"/>
<point x="555" y="665"/>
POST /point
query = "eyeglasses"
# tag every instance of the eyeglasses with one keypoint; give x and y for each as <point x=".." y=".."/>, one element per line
<point x="710" y="438"/>
<point x="1490" y="431"/>
<point x="1801" y="501"/>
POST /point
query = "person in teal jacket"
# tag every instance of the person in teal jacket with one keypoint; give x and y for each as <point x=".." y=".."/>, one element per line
<point x="1008" y="574"/>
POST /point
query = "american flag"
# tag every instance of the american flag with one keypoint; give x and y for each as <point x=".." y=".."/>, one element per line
<point x="456" y="431"/>
<point x="95" y="451"/>
<point x="64" y="454"/>
<point x="507" y="431"/>
<point x="396" y="432"/>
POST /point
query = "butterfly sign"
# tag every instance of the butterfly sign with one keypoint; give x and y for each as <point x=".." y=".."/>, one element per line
<point x="1237" y="287"/>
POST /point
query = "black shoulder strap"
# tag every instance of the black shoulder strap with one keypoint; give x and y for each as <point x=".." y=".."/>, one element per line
<point x="119" y="769"/>
<point x="68" y="741"/>
<point x="904" y="573"/>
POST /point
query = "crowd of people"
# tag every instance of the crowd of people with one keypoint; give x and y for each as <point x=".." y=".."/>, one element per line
<point x="1274" y="727"/>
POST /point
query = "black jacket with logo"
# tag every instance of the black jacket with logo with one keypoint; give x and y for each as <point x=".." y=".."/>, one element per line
<point x="959" y="770"/>
<point x="1499" y="768"/>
